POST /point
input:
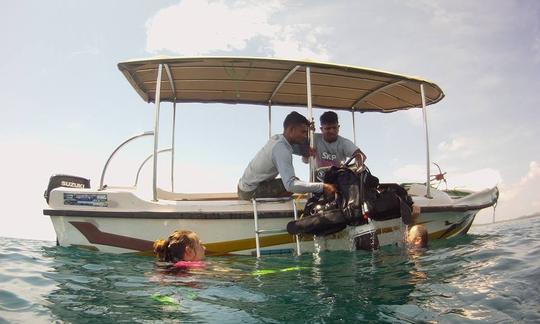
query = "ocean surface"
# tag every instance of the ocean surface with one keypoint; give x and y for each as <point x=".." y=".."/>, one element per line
<point x="491" y="275"/>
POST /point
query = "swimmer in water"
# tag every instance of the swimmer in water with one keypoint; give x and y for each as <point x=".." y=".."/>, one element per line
<point x="417" y="237"/>
<point x="180" y="246"/>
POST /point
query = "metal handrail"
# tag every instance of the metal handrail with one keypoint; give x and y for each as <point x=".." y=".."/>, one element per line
<point x="144" y="162"/>
<point x="428" y="164"/>
<point x="148" y="133"/>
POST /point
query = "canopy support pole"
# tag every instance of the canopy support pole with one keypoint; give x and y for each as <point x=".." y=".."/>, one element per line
<point x="424" y="113"/>
<point x="310" y="118"/>
<point x="171" y="81"/>
<point x="285" y="78"/>
<point x="367" y="95"/>
<point x="172" y="144"/>
<point x="276" y="89"/>
<point x="269" y="119"/>
<point x="353" y="127"/>
<point x="156" y="132"/>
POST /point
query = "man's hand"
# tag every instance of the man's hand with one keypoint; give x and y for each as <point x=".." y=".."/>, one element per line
<point x="359" y="163"/>
<point x="359" y="159"/>
<point x="311" y="152"/>
<point x="329" y="189"/>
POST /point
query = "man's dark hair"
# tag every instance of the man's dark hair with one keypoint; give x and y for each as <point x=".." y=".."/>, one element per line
<point x="329" y="117"/>
<point x="294" y="119"/>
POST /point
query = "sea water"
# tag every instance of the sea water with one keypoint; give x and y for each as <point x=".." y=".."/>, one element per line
<point x="490" y="275"/>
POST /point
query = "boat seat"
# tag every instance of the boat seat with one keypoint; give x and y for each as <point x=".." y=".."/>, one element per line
<point x="168" y="195"/>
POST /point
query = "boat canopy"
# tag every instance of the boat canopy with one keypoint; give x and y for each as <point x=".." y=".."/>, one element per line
<point x="269" y="81"/>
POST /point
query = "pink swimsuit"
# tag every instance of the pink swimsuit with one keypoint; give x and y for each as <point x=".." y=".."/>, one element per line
<point x="190" y="264"/>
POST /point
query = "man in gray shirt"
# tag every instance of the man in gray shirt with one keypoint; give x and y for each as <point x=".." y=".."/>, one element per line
<point x="330" y="148"/>
<point x="259" y="178"/>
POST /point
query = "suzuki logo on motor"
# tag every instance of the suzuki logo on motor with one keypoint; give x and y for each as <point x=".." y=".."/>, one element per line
<point x="71" y="184"/>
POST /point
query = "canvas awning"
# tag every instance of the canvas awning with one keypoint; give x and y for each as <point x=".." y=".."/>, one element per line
<point x="257" y="81"/>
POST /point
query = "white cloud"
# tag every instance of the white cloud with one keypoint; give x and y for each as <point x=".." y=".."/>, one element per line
<point x="458" y="147"/>
<point x="475" y="180"/>
<point x="521" y="198"/>
<point x="534" y="172"/>
<point x="289" y="43"/>
<point x="204" y="27"/>
<point x="410" y="173"/>
<point x="524" y="184"/>
<point x="451" y="146"/>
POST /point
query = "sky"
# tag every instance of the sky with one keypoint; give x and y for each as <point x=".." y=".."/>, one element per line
<point x="65" y="106"/>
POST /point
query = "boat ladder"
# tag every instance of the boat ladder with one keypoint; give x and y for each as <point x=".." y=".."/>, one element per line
<point x="259" y="232"/>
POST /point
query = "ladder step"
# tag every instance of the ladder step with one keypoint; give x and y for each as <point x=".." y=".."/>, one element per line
<point x="270" y="231"/>
<point x="259" y="232"/>
<point x="273" y="251"/>
<point x="273" y="199"/>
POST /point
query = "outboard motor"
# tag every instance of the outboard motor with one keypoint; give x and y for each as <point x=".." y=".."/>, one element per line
<point x="62" y="180"/>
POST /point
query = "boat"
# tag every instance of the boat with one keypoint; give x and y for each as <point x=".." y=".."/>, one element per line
<point x="116" y="219"/>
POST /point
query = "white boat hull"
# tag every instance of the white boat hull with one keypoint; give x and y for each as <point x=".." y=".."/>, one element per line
<point x="125" y="223"/>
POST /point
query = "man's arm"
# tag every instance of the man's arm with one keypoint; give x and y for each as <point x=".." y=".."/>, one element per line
<point x="301" y="149"/>
<point x="353" y="151"/>
<point x="311" y="152"/>
<point x="282" y="159"/>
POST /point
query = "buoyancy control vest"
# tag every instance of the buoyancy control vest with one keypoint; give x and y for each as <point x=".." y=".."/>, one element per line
<point x="359" y="197"/>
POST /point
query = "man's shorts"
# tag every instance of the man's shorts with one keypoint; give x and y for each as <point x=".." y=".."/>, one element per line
<point x="266" y="189"/>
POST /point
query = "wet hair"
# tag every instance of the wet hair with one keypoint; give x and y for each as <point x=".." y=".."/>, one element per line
<point x="174" y="248"/>
<point x="421" y="231"/>
<point x="295" y="119"/>
<point x="329" y="117"/>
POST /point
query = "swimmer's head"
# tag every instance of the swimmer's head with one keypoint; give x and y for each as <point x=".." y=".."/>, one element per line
<point x="417" y="236"/>
<point x="180" y="246"/>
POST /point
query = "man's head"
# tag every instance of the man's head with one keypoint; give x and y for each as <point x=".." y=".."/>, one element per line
<point x="329" y="126"/>
<point x="417" y="236"/>
<point x="295" y="128"/>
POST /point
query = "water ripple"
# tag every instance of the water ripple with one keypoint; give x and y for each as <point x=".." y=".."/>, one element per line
<point x="490" y="275"/>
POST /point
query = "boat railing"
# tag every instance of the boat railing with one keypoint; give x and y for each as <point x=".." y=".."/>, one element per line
<point x="147" y="133"/>
<point x="146" y="160"/>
